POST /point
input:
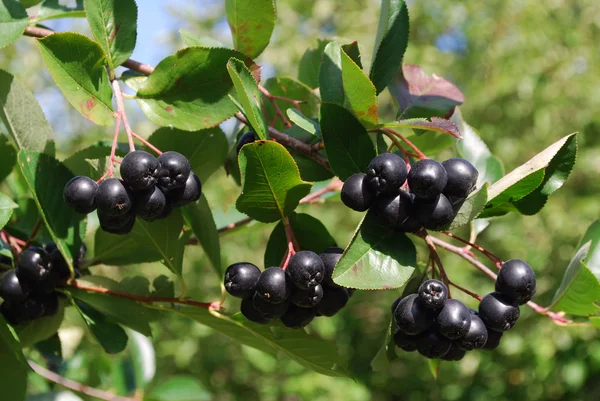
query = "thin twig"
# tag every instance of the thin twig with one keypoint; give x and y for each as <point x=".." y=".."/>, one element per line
<point x="121" y="112"/>
<point x="334" y="185"/>
<point x="273" y="101"/>
<point x="495" y="259"/>
<point x="110" y="172"/>
<point x="34" y="232"/>
<point x="418" y="152"/>
<point x="468" y="292"/>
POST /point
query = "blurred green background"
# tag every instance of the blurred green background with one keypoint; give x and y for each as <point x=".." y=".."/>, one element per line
<point x="530" y="74"/>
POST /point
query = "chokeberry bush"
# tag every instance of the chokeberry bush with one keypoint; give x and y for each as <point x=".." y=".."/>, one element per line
<point x="384" y="142"/>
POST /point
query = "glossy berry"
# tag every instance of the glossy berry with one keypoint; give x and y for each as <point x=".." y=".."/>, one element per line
<point x="173" y="170"/>
<point x="395" y="303"/>
<point x="269" y="310"/>
<point x="21" y="312"/>
<point x="433" y="294"/>
<point x="455" y="353"/>
<point x="249" y="311"/>
<point x="477" y="335"/>
<point x="117" y="224"/>
<point x="49" y="304"/>
<point x="412" y="317"/>
<point x="410" y="225"/>
<point x="386" y="173"/>
<point x="245" y="139"/>
<point x="356" y="195"/>
<point x="454" y="319"/>
<point x="305" y="269"/>
<point x="493" y="340"/>
<point x="498" y="312"/>
<point x="330" y="257"/>
<point x="333" y="301"/>
<point x="297" y="317"/>
<point x="392" y="210"/>
<point x="149" y="204"/>
<point x="516" y="280"/>
<point x="167" y="210"/>
<point x="80" y="194"/>
<point x="11" y="289"/>
<point x="114" y="198"/>
<point x="433" y="213"/>
<point x="273" y="285"/>
<point x="241" y="278"/>
<point x="404" y="341"/>
<point x="432" y="344"/>
<point x="307" y="298"/>
<point x="190" y="192"/>
<point x="58" y="265"/>
<point x="138" y="170"/>
<point x="32" y="264"/>
<point x="427" y="178"/>
<point x="462" y="177"/>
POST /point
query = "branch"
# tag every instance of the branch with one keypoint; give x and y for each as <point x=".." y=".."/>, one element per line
<point x="420" y="154"/>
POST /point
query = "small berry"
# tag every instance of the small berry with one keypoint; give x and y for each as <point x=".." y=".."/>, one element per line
<point x="245" y="139"/>
<point x="498" y="312"/>
<point x="167" y="210"/>
<point x="190" y="192"/>
<point x="241" y="278"/>
<point x="305" y="269"/>
<point x="333" y="301"/>
<point x="454" y="319"/>
<point x="356" y="195"/>
<point x="412" y="317"/>
<point x="462" y="177"/>
<point x="395" y="303"/>
<point x="455" y="353"/>
<point x="392" y="210"/>
<point x="432" y="344"/>
<point x="138" y="170"/>
<point x="117" y="224"/>
<point x="330" y="257"/>
<point x="11" y="289"/>
<point x="49" y="303"/>
<point x="114" y="198"/>
<point x="273" y="285"/>
<point x="433" y="213"/>
<point x="21" y="312"/>
<point x="516" y="280"/>
<point x="410" y="225"/>
<point x="269" y="310"/>
<point x="80" y="194"/>
<point x="477" y="335"/>
<point x="493" y="340"/>
<point x="32" y="264"/>
<point x="297" y="317"/>
<point x="307" y="298"/>
<point x="427" y="178"/>
<point x="58" y="265"/>
<point x="173" y="170"/>
<point x="404" y="341"/>
<point x="433" y="294"/>
<point x="250" y="313"/>
<point x="149" y="204"/>
<point x="386" y="173"/>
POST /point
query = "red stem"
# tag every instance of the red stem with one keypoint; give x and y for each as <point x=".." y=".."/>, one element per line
<point x="278" y="110"/>
<point x="495" y="259"/>
<point x="418" y="152"/>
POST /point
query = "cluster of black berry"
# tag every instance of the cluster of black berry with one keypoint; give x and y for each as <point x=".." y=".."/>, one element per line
<point x="28" y="290"/>
<point x="437" y="190"/>
<point x="295" y="295"/>
<point x="149" y="189"/>
<point x="438" y="327"/>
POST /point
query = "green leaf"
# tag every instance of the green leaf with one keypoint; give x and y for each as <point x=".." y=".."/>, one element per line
<point x="6" y="209"/>
<point x="387" y="352"/>
<point x="205" y="149"/>
<point x="469" y="209"/>
<point x="30" y="3"/>
<point x="13" y="365"/>
<point x="9" y="157"/>
<point x="291" y="89"/>
<point x="76" y="64"/>
<point x="180" y="388"/>
<point x="42" y="328"/>
<point x="94" y="160"/>
<point x="13" y="21"/>
<point x="310" y="233"/>
<point x="251" y="23"/>
<point x="51" y="349"/>
<point x="111" y="337"/>
<point x="199" y="217"/>
<point x="189" y="39"/>
<point x="435" y="124"/>
<point x="51" y="9"/>
<point x="359" y="92"/>
<point x="189" y="90"/>
<point x="310" y="170"/>
<point x="46" y="177"/>
<point x="330" y="75"/>
<point x="504" y="193"/>
<point x="114" y="25"/>
<point x="308" y="69"/>
<point x="592" y="260"/>
<point x="390" y="43"/>
<point x="347" y="143"/>
<point x="271" y="184"/>
<point x="434" y="367"/>
<point x="54" y="396"/>
<point x="377" y="258"/>
<point x="304" y="122"/>
<point x="22" y="115"/>
<point x="147" y="242"/>
<point x="580" y="289"/>
<point x="248" y="95"/>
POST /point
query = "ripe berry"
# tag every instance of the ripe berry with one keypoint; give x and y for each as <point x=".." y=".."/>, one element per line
<point x="462" y="177"/>
<point x="80" y="194"/>
<point x="250" y="313"/>
<point x="356" y="195"/>
<point x="477" y="335"/>
<point x="173" y="170"/>
<point x="305" y="269"/>
<point x="493" y="340"/>
<point x="392" y="210"/>
<point x="269" y="310"/>
<point x="455" y="353"/>
<point x="395" y="303"/>
<point x="333" y="301"/>
<point x="454" y="319"/>
<point x="11" y="289"/>
<point x="433" y="213"/>
<point x="498" y="312"/>
<point x="32" y="264"/>
<point x="21" y="312"/>
<point x="117" y="224"/>
<point x="411" y="316"/>
<point x="241" y="278"/>
<point x="297" y="317"/>
<point x="138" y="170"/>
<point x="58" y="265"/>
<point x="307" y="298"/>
<point x="427" y="178"/>
<point x="432" y="344"/>
<point x="410" y="225"/>
<point x="150" y="203"/>
<point x="114" y="198"/>
<point x="245" y="139"/>
<point x="190" y="192"/>
<point x="386" y="173"/>
<point x="516" y="280"/>
<point x="404" y="341"/>
<point x="330" y="257"/>
<point x="273" y="285"/>
<point x="433" y="294"/>
<point x="49" y="304"/>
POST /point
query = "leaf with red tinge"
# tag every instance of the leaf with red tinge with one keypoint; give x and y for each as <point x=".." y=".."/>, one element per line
<point x="434" y="367"/>
<point x="436" y="124"/>
<point x="422" y="95"/>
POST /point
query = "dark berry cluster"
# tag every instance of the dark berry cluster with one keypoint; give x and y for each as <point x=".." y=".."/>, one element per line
<point x="28" y="290"/>
<point x="295" y="295"/>
<point x="437" y="191"/>
<point x="438" y="327"/>
<point x="149" y="188"/>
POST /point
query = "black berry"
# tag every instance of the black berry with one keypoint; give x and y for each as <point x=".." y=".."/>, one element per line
<point x="245" y="139"/>
<point x="138" y="170"/>
<point x="49" y="304"/>
<point x="462" y="177"/>
<point x="173" y="170"/>
<point x="410" y="225"/>
<point x="307" y="298"/>
<point x="455" y="353"/>
<point x="241" y="278"/>
<point x="333" y="301"/>
<point x="356" y="195"/>
<point x="432" y="344"/>
<point x="273" y="285"/>
<point x="149" y="204"/>
<point x="32" y="264"/>
<point x="433" y="294"/>
<point x="305" y="269"/>
<point x="190" y="192"/>
<point x="454" y="319"/>
<point x="477" y="335"/>
<point x="58" y="265"/>
<point x="498" y="312"/>
<point x="395" y="304"/>
<point x="80" y="194"/>
<point x="427" y="178"/>
<point x="330" y="257"/>
<point x="297" y="317"/>
<point x="386" y="173"/>
<point x="115" y="198"/>
<point x="11" y="289"/>
<point x="516" y="280"/>
<point x="249" y="311"/>
<point x="117" y="224"/>
<point x="392" y="210"/>
<point x="21" y="312"/>
<point x="411" y="316"/>
<point x="404" y="341"/>
<point x="269" y="310"/>
<point x="493" y="340"/>
<point x="433" y="213"/>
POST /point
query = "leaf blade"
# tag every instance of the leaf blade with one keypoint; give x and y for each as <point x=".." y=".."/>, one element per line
<point x="13" y="21"/>
<point x="251" y="23"/>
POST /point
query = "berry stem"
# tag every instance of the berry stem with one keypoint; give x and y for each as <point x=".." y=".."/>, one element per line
<point x="145" y="142"/>
<point x="34" y="232"/>
<point x="278" y="110"/>
<point x="121" y="112"/>
<point x="433" y="253"/>
<point x="418" y="152"/>
<point x="335" y="185"/>
<point x="471" y="293"/>
<point x="495" y="259"/>
<point x="289" y="235"/>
